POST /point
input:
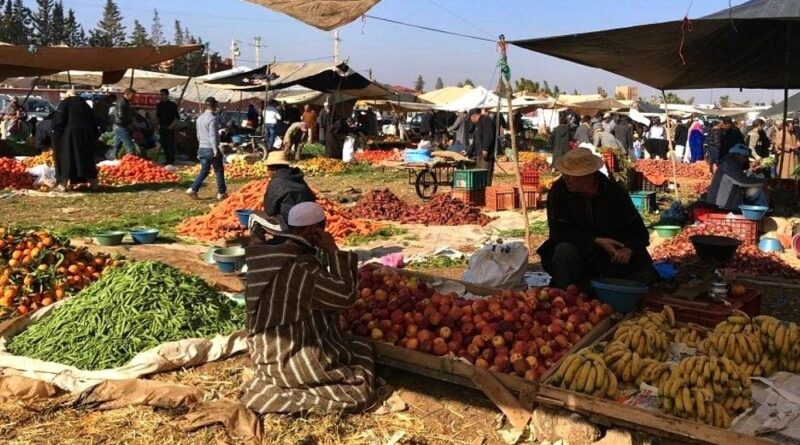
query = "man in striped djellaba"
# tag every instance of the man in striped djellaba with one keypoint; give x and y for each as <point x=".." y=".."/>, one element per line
<point x="303" y="362"/>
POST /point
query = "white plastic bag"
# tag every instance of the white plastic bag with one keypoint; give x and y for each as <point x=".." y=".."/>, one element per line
<point x="348" y="149"/>
<point x="278" y="144"/>
<point x="45" y="176"/>
<point x="498" y="265"/>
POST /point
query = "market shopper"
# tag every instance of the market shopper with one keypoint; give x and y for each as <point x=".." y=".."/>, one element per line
<point x="696" y="141"/>
<point x="559" y="139"/>
<point x="583" y="134"/>
<point x="209" y="152"/>
<point x="595" y="230"/>
<point x="310" y="119"/>
<point x="75" y="135"/>
<point x="608" y="123"/>
<point x="757" y="141"/>
<point x="102" y="111"/>
<point x="272" y="118"/>
<point x="732" y="185"/>
<point x="295" y="138"/>
<point x="167" y="117"/>
<point x="303" y="362"/>
<point x="785" y="149"/>
<point x="655" y="142"/>
<point x="482" y="148"/>
<point x="123" y="123"/>
<point x="729" y="136"/>
<point x="623" y="131"/>
<point x="460" y="131"/>
<point x="286" y="188"/>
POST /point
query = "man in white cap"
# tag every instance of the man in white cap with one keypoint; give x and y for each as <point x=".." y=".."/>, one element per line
<point x="608" y="123"/>
<point x="303" y="362"/>
<point x="595" y="230"/>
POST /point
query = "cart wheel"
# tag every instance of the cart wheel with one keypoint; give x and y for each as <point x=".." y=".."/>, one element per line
<point x="426" y="184"/>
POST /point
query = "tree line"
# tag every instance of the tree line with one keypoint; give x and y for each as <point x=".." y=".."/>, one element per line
<point x="48" y="23"/>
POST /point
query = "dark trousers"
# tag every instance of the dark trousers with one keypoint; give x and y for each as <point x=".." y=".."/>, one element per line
<point x="487" y="165"/>
<point x="167" y="139"/>
<point x="206" y="163"/>
<point x="568" y="265"/>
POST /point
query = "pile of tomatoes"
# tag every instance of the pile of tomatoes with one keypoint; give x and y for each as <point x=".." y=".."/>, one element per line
<point x="377" y="156"/>
<point x="37" y="269"/>
<point x="135" y="170"/>
<point x="14" y="175"/>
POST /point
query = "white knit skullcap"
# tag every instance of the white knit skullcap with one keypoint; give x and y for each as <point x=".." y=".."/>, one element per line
<point x="306" y="214"/>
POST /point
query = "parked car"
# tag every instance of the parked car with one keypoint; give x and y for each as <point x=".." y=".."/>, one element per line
<point x="35" y="106"/>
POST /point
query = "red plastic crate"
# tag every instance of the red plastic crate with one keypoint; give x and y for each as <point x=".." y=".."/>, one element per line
<point x="610" y="159"/>
<point x="743" y="228"/>
<point x="530" y="177"/>
<point x="501" y="197"/>
<point x="475" y="198"/>
<point x="648" y="186"/>
<point x="704" y="314"/>
<point x="531" y="197"/>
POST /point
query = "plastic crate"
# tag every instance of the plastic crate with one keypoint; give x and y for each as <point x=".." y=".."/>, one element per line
<point x="501" y="197"/>
<point x="645" y="202"/>
<point x="704" y="314"/>
<point x="744" y="229"/>
<point x="532" y="195"/>
<point x="610" y="159"/>
<point x="648" y="186"/>
<point x="475" y="198"/>
<point x="471" y="179"/>
<point x="530" y="177"/>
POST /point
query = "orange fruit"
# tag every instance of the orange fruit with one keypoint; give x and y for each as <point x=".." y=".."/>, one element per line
<point x="16" y="255"/>
<point x="13" y="263"/>
<point x="47" y="301"/>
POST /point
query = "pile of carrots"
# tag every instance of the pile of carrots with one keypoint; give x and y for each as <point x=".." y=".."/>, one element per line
<point x="135" y="170"/>
<point x="14" y="175"/>
<point x="222" y="222"/>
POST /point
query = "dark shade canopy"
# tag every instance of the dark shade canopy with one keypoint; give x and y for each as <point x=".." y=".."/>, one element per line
<point x="31" y="61"/>
<point x="754" y="45"/>
<point x="793" y="106"/>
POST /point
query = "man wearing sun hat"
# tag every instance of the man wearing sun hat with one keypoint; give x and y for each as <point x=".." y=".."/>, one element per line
<point x="286" y="188"/>
<point x="731" y="186"/>
<point x="595" y="230"/>
<point x="303" y="361"/>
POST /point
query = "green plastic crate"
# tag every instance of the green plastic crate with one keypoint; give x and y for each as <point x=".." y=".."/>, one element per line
<point x="645" y="202"/>
<point x="475" y="179"/>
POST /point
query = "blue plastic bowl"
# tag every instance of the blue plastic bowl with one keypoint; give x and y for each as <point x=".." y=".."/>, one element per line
<point x="770" y="245"/>
<point x="622" y="295"/>
<point x="753" y="213"/>
<point x="227" y="266"/>
<point x="244" y="216"/>
<point x="144" y="236"/>
<point x="230" y="259"/>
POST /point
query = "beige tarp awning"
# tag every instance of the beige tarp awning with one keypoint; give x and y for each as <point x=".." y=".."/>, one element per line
<point x="593" y="106"/>
<point x="445" y="95"/>
<point x="322" y="14"/>
<point x="143" y="81"/>
<point x="30" y="61"/>
<point x="391" y="105"/>
<point x="569" y="99"/>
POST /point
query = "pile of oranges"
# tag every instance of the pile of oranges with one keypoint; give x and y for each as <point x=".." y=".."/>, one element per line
<point x="37" y="269"/>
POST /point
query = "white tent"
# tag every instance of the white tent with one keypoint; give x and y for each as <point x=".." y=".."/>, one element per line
<point x="143" y="81"/>
<point x="478" y="97"/>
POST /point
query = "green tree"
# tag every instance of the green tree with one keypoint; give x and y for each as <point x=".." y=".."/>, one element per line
<point x="460" y="84"/>
<point x="15" y="24"/>
<point x="575" y="92"/>
<point x="139" y="35"/>
<point x="601" y="91"/>
<point x="523" y="84"/>
<point x="59" y="35"/>
<point x="724" y="101"/>
<point x="468" y="83"/>
<point x="41" y="23"/>
<point x="109" y="31"/>
<point x="673" y="98"/>
<point x="439" y="83"/>
<point x="157" y="30"/>
<point x="419" y="84"/>
<point x="556" y="91"/>
<point x="76" y="35"/>
<point x="546" y="88"/>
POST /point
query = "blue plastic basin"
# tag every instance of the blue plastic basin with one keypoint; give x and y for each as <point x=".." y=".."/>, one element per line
<point x="244" y="216"/>
<point x="753" y="213"/>
<point x="622" y="295"/>
<point x="770" y="245"/>
<point x="229" y="260"/>
<point x="144" y="236"/>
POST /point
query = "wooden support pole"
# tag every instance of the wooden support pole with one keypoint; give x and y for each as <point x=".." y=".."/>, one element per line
<point x="669" y="145"/>
<point x="523" y="199"/>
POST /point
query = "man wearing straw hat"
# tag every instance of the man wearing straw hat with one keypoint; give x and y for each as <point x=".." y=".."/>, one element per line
<point x="595" y="230"/>
<point x="286" y="188"/>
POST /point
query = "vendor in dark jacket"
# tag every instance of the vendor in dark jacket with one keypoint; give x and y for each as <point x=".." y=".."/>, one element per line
<point x="482" y="149"/>
<point x="286" y="188"/>
<point x="731" y="186"/>
<point x="559" y="139"/>
<point x="595" y="230"/>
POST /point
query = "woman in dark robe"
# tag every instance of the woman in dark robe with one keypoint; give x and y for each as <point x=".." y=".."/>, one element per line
<point x="75" y="140"/>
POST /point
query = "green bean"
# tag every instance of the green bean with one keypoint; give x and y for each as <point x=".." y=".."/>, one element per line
<point x="133" y="307"/>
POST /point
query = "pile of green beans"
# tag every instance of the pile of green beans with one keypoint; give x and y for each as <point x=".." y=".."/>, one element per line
<point x="133" y="307"/>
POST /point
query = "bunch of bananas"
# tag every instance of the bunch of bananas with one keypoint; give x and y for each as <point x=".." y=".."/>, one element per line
<point x="664" y="320"/>
<point x="586" y="372"/>
<point x="739" y="340"/>
<point x="696" y="404"/>
<point x="645" y="339"/>
<point x="629" y="367"/>
<point x="780" y="342"/>
<point x="691" y="335"/>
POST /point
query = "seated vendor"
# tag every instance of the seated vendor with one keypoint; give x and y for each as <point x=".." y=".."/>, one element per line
<point x="595" y="230"/>
<point x="286" y="187"/>
<point x="732" y="186"/>
<point x="302" y="360"/>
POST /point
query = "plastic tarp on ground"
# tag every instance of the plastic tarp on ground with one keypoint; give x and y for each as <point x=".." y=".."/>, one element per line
<point x="165" y="357"/>
<point x="322" y="14"/>
<point x="143" y="81"/>
<point x="754" y="45"/>
<point x="323" y="77"/>
<point x="31" y="61"/>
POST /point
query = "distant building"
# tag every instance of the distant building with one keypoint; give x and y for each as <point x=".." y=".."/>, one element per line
<point x="626" y="92"/>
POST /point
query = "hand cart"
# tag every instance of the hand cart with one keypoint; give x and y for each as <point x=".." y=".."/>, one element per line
<point x="426" y="178"/>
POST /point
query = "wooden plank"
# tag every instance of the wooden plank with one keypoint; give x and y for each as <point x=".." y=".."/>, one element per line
<point x="517" y="415"/>
<point x="598" y="331"/>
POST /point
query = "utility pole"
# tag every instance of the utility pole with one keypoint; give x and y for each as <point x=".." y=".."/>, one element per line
<point x="336" y="41"/>
<point x="234" y="52"/>
<point x="208" y="57"/>
<point x="257" y="45"/>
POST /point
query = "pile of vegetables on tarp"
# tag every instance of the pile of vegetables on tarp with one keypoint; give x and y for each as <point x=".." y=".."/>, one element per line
<point x="442" y="210"/>
<point x="132" y="308"/>
<point x="135" y="170"/>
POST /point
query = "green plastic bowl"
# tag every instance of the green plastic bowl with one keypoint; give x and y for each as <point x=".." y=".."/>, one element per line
<point x="667" y="231"/>
<point x="110" y="238"/>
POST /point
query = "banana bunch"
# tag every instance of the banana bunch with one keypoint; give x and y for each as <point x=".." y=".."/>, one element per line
<point x="693" y="403"/>
<point x="646" y="340"/>
<point x="738" y="322"/>
<point x="629" y="367"/>
<point x="743" y="348"/>
<point x="586" y="372"/>
<point x="780" y="343"/>
<point x="690" y="335"/>
<point x="664" y="320"/>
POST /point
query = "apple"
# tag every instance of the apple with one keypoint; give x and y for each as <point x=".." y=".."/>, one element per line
<point x="412" y="343"/>
<point x="594" y="318"/>
<point x="392" y="337"/>
<point x="467" y="328"/>
<point x="531" y="375"/>
<point x="545" y="351"/>
<point x="607" y="309"/>
<point x="479" y="341"/>
<point x="501" y="361"/>
<point x="445" y="332"/>
<point x="473" y="350"/>
<point x="563" y="342"/>
<point x="520" y="367"/>
<point x="398" y="329"/>
<point x="454" y="346"/>
<point x="376" y="334"/>
<point x="555" y="327"/>
<point x="481" y="363"/>
<point x="440" y="347"/>
<point x="533" y="362"/>
<point x="435" y="318"/>
<point x="424" y="335"/>
<point x="411" y="330"/>
<point x="559" y="303"/>
<point x="574" y="338"/>
<point x="488" y="354"/>
<point x="498" y="341"/>
<point x="397" y="316"/>
<point x="584" y="328"/>
<point x="426" y="346"/>
<point x="515" y="356"/>
<point x="544" y="295"/>
<point x="487" y="333"/>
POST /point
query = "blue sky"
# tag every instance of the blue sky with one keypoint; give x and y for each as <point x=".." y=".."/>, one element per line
<point x="397" y="54"/>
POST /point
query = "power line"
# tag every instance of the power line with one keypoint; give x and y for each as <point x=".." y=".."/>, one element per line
<point x="461" y="18"/>
<point x="426" y="28"/>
